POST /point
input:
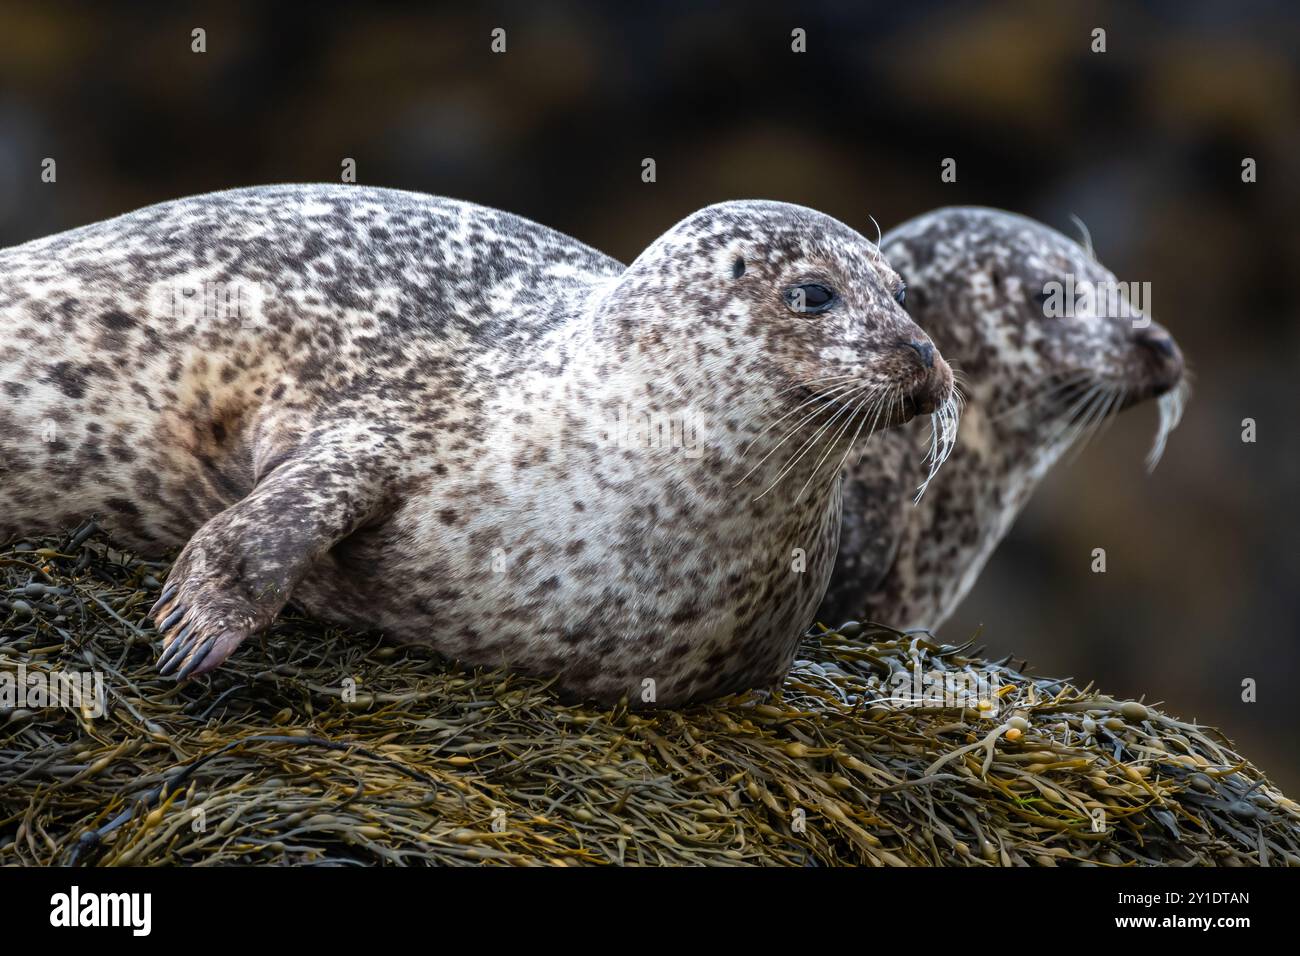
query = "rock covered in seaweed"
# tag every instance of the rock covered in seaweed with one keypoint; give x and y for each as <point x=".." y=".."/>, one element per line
<point x="324" y="747"/>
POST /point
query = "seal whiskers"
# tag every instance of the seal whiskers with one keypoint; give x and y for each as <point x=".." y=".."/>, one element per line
<point x="873" y="414"/>
<point x="944" y="423"/>
<point x="1170" y="405"/>
<point x="841" y="405"/>
<point x="1046" y="390"/>
<point x="819" y="399"/>
<point x="1103" y="414"/>
<point x="862" y="402"/>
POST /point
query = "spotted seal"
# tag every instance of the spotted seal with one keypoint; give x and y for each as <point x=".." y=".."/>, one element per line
<point x="1044" y="357"/>
<point x="410" y="414"/>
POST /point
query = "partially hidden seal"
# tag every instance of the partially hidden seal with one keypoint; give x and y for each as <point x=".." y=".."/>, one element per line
<point x="461" y="428"/>
<point x="1047" y="347"/>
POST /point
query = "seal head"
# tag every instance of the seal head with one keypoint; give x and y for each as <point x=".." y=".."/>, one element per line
<point x="1048" y="345"/>
<point x="791" y="299"/>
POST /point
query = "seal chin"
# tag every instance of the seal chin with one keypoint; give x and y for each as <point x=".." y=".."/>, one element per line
<point x="912" y="406"/>
<point x="1165" y="383"/>
<point x="1159" y="366"/>
<point x="924" y="402"/>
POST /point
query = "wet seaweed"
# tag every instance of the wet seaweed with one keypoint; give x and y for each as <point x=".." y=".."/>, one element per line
<point x="314" y="746"/>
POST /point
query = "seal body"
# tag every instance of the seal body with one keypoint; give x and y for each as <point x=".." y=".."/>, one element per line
<point x="1047" y="344"/>
<point x="407" y="414"/>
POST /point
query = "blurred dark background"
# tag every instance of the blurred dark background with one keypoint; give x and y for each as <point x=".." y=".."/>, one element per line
<point x="1143" y="142"/>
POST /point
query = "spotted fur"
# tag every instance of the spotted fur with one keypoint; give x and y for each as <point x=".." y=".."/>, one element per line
<point x="405" y="424"/>
<point x="972" y="275"/>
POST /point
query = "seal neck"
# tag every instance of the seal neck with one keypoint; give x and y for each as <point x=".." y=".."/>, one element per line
<point x="982" y="488"/>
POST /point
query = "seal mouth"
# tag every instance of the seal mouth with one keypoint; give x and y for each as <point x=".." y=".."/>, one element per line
<point x="1152" y="390"/>
<point x="929" y="395"/>
<point x="917" y="405"/>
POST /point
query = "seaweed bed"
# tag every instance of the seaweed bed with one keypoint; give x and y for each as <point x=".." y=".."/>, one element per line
<point x="270" y="760"/>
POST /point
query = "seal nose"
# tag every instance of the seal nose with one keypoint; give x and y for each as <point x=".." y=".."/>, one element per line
<point x="1163" y="360"/>
<point x="1157" y="341"/>
<point x="1159" y="347"/>
<point x="923" y="349"/>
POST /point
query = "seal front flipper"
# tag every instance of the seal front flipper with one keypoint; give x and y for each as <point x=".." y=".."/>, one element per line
<point x="238" y="571"/>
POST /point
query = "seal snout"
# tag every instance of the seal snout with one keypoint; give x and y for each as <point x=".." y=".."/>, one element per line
<point x="934" y="384"/>
<point x="928" y="395"/>
<point x="1162" y="360"/>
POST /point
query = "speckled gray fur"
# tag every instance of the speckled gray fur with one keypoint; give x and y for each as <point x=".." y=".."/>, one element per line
<point x="400" y="429"/>
<point x="971" y="276"/>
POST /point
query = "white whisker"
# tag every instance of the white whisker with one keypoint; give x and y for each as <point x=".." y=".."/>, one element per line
<point x="813" y="381"/>
<point x="1090" y="423"/>
<point x="1087" y="236"/>
<point x="1170" y="405"/>
<point x="822" y="400"/>
<point x="843" y="402"/>
<point x="854" y="440"/>
<point x="830" y="446"/>
<point x="1067" y="428"/>
<point x="944" y="422"/>
<point x="874" y="411"/>
<point x="1048" y="390"/>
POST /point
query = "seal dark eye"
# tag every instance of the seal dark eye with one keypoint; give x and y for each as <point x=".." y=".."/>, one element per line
<point x="901" y="295"/>
<point x="809" y="297"/>
<point x="738" y="268"/>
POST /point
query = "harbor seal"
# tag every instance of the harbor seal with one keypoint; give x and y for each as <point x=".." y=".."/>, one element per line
<point x="1044" y="357"/>
<point x="411" y="414"/>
